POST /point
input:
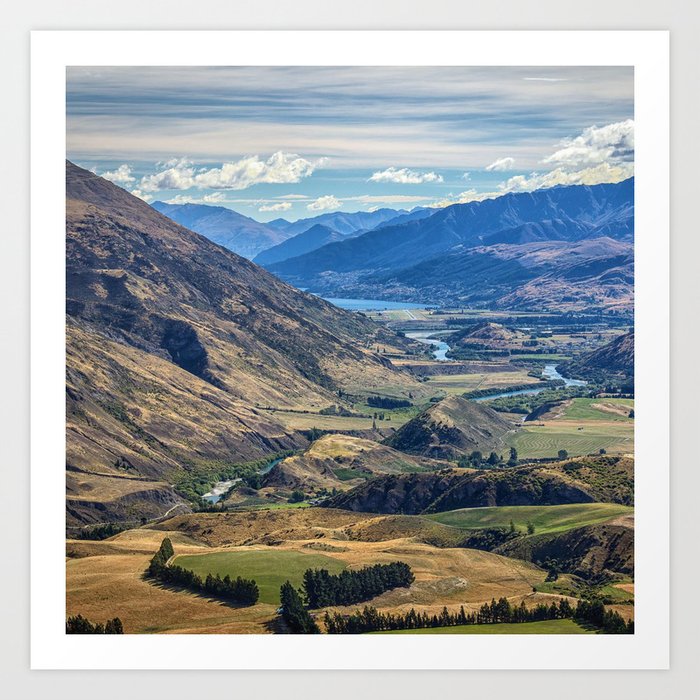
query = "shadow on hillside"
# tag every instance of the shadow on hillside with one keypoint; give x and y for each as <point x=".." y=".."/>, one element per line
<point x="174" y="588"/>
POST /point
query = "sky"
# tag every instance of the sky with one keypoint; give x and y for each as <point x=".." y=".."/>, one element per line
<point x="295" y="142"/>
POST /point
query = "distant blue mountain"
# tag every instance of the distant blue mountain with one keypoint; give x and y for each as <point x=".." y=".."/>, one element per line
<point x="342" y="222"/>
<point x="228" y="228"/>
<point x="315" y="237"/>
<point x="561" y="213"/>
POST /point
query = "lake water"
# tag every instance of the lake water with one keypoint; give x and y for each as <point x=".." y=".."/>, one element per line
<point x="441" y="347"/>
<point x="215" y="494"/>
<point x="372" y="304"/>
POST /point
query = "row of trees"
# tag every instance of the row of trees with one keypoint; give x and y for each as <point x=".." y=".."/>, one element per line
<point x="371" y="620"/>
<point x="477" y="460"/>
<point x="322" y="589"/>
<point x="294" y="613"/>
<point x="387" y="402"/>
<point x="239" y="590"/>
<point x="81" y="625"/>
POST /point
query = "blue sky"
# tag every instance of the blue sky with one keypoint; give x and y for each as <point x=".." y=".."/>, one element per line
<point x="295" y="141"/>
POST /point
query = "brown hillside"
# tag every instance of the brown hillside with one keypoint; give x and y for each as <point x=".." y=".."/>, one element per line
<point x="172" y="340"/>
<point x="319" y="465"/>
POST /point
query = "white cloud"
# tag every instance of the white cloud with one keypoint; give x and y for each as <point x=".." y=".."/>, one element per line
<point x="292" y="196"/>
<point x="501" y="164"/>
<point x="141" y="195"/>
<point x="603" y="172"/>
<point x="277" y="169"/>
<point x="596" y="175"/>
<point x="605" y="144"/>
<point x="462" y="198"/>
<point x="466" y="176"/>
<point x="404" y="176"/>
<point x="326" y="203"/>
<point x="121" y="176"/>
<point x="280" y="206"/>
<point x="213" y="198"/>
<point x="178" y="175"/>
<point x="386" y="198"/>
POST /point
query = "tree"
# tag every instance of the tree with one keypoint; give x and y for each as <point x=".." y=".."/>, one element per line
<point x="512" y="526"/>
<point x="530" y="527"/>
<point x="493" y="459"/>
<point x="513" y="460"/>
<point x="476" y="458"/>
<point x="296" y="497"/>
<point x="562" y="454"/>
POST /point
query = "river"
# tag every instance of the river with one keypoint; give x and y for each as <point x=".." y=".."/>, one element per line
<point x="441" y="347"/>
<point x="549" y="373"/>
<point x="217" y="491"/>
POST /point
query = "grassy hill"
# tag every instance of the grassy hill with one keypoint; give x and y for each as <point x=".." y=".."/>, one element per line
<point x="341" y="461"/>
<point x="270" y="569"/>
<point x="582" y="480"/>
<point x="545" y="519"/>
<point x="452" y="427"/>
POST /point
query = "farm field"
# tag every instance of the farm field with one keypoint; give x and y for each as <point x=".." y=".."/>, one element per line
<point x="599" y="409"/>
<point x="270" y="569"/>
<point x="543" y="627"/>
<point x="584" y="426"/>
<point x="537" y="441"/>
<point x="459" y="383"/>
<point x="546" y="519"/>
<point x="306" y="421"/>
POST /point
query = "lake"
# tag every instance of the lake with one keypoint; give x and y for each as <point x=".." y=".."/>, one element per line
<point x="372" y="304"/>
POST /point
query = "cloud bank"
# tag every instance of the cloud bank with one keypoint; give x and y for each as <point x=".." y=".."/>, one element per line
<point x="404" y="176"/>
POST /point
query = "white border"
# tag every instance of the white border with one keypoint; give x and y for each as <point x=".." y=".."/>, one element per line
<point x="51" y="52"/>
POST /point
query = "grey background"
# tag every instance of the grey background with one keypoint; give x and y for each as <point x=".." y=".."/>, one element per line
<point x="679" y="16"/>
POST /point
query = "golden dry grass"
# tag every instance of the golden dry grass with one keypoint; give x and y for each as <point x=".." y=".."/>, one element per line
<point x="105" y="578"/>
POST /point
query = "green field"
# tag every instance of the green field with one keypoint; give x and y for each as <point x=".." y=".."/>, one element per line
<point x="270" y="569"/>
<point x="544" y="518"/>
<point x="534" y="441"/>
<point x="544" y="627"/>
<point x="590" y="409"/>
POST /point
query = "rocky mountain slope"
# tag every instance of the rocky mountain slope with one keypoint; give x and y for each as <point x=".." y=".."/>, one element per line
<point x="172" y="341"/>
<point x="616" y="358"/>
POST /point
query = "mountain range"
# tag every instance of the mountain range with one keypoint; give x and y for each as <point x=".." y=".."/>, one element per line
<point x="173" y="344"/>
<point x="249" y="238"/>
<point x="572" y="244"/>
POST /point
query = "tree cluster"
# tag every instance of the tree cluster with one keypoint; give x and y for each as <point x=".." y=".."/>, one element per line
<point x="294" y="613"/>
<point x="238" y="590"/>
<point x="387" y="402"/>
<point x="99" y="532"/>
<point x="322" y="589"/>
<point x="81" y="625"/>
<point x="371" y="620"/>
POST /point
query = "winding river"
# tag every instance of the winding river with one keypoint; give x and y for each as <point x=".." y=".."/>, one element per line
<point x="441" y="347"/>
